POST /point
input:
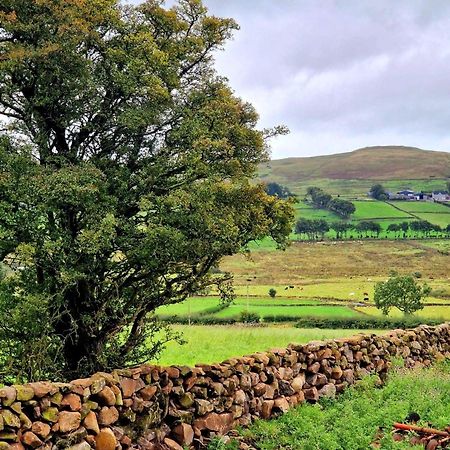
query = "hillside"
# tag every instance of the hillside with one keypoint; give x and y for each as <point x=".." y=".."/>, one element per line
<point x="382" y="163"/>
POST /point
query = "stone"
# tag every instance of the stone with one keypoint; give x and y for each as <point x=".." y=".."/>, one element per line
<point x="69" y="421"/>
<point x="105" y="440"/>
<point x="10" y="419"/>
<point x="8" y="395"/>
<point x="30" y="439"/>
<point x="266" y="408"/>
<point x="172" y="445"/>
<point x="240" y="397"/>
<point x="91" y="423"/>
<point x="107" y="396"/>
<point x="221" y="423"/>
<point x="25" y="421"/>
<point x="128" y="386"/>
<point x="24" y="393"/>
<point x="186" y="400"/>
<point x="311" y="394"/>
<point x="41" y="429"/>
<point x="260" y="389"/>
<point x="281" y="404"/>
<point x="298" y="382"/>
<point x="83" y="445"/>
<point x="108" y="415"/>
<point x="203" y="407"/>
<point x="336" y="373"/>
<point x="148" y="392"/>
<point x="329" y="390"/>
<point x="314" y="368"/>
<point x="184" y="434"/>
<point x="43" y="388"/>
<point x="73" y="401"/>
<point x="51" y="414"/>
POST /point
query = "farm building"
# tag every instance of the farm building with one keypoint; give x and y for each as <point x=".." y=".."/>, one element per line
<point x="440" y="196"/>
<point x="408" y="195"/>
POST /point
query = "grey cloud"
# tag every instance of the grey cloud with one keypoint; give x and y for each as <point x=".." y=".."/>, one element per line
<point x="342" y="74"/>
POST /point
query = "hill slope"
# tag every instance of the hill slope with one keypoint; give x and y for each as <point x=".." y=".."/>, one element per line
<point x="370" y="163"/>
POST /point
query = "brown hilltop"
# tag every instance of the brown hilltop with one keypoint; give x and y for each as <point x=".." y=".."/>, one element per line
<point x="377" y="163"/>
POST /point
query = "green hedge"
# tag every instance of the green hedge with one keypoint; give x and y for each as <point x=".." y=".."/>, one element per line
<point x="198" y="320"/>
<point x="365" y="323"/>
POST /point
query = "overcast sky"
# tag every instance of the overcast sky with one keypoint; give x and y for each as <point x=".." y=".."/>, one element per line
<point x="342" y="74"/>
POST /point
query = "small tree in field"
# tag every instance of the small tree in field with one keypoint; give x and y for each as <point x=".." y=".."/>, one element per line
<point x="401" y="292"/>
<point x="272" y="292"/>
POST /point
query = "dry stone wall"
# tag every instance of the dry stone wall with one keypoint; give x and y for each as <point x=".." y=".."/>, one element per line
<point x="151" y="407"/>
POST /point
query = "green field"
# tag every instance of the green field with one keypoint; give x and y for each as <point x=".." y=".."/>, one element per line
<point x="361" y="418"/>
<point x="385" y="213"/>
<point x="289" y="311"/>
<point x="429" y="312"/>
<point x="209" y="344"/>
<point x="371" y="210"/>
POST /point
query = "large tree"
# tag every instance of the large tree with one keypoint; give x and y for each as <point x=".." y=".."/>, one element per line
<point x="125" y="176"/>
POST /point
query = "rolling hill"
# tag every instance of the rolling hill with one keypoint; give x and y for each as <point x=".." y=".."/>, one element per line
<point x="353" y="172"/>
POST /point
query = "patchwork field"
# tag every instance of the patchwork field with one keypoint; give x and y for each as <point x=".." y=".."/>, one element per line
<point x="385" y="213"/>
<point x="323" y="281"/>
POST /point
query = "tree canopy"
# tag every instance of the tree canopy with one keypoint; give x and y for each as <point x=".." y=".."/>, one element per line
<point x="378" y="192"/>
<point x="125" y="168"/>
<point x="401" y="292"/>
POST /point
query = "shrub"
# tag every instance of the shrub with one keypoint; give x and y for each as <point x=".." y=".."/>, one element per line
<point x="249" y="317"/>
<point x="376" y="323"/>
<point x="272" y="292"/>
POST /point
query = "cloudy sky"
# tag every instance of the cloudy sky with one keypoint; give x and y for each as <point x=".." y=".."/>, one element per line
<point x="342" y="74"/>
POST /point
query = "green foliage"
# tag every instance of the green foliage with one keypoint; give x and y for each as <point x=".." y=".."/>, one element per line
<point x="314" y="229"/>
<point x="249" y="317"/>
<point x="401" y="292"/>
<point x="343" y="208"/>
<point x="375" y="323"/>
<point x="278" y="190"/>
<point x="378" y="192"/>
<point x="354" y="420"/>
<point x="272" y="292"/>
<point x="125" y="176"/>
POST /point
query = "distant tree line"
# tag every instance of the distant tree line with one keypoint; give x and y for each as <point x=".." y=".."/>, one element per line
<point x="278" y="190"/>
<point x="322" y="200"/>
<point x="316" y="229"/>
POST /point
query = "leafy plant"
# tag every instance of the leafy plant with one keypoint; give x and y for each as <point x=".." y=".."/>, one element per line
<point x="401" y="292"/>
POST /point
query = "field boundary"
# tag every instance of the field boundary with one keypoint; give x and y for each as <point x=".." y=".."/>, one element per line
<point x="166" y="407"/>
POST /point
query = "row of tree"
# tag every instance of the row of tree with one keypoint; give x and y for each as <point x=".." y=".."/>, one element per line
<point x="316" y="229"/>
<point x="322" y="200"/>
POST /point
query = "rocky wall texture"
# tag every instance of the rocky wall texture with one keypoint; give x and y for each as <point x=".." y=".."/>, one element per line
<point x="152" y="407"/>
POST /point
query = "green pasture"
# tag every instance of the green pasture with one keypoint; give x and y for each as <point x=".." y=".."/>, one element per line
<point x="421" y="207"/>
<point x="436" y="218"/>
<point x="210" y="344"/>
<point x="340" y="289"/>
<point x="289" y="311"/>
<point x="429" y="312"/>
<point x="356" y="188"/>
<point x="371" y="210"/>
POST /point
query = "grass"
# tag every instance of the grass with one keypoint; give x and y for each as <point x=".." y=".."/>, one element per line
<point x="361" y="416"/>
<point x="290" y="311"/>
<point x="210" y="344"/>
<point x="372" y="210"/>
<point x="343" y="261"/>
<point x="429" y="312"/>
